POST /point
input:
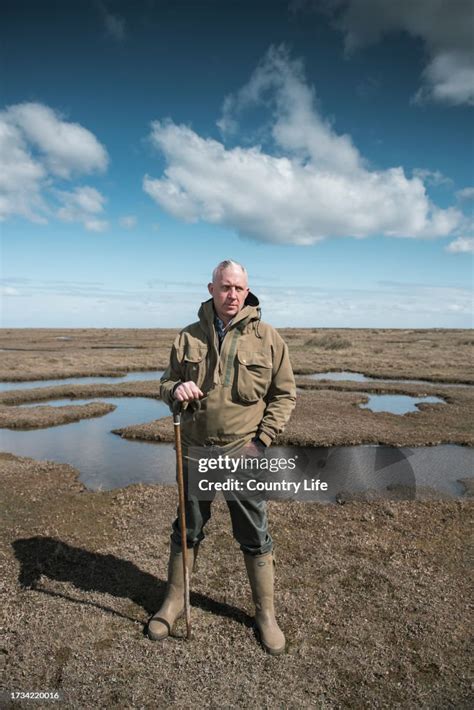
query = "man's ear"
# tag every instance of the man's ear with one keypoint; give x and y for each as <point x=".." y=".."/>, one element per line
<point x="210" y="288"/>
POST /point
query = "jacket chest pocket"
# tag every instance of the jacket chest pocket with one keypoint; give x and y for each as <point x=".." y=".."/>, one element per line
<point x="254" y="374"/>
<point x="195" y="365"/>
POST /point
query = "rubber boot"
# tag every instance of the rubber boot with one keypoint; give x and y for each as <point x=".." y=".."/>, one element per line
<point x="260" y="571"/>
<point x="161" y="623"/>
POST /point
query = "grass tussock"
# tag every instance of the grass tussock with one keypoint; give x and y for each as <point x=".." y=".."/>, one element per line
<point x="329" y="342"/>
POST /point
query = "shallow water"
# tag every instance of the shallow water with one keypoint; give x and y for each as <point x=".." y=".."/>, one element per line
<point x="393" y="473"/>
<point x="343" y="375"/>
<point x="130" y="377"/>
<point x="103" y="459"/>
<point x="360" y="377"/>
<point x="396" y="403"/>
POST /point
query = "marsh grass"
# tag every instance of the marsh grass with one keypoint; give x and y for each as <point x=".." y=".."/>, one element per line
<point x="329" y="342"/>
<point x="433" y="354"/>
<point x="328" y="412"/>
<point x="371" y="597"/>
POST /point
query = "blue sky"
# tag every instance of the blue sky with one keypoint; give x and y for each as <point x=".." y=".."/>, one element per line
<point x="327" y="145"/>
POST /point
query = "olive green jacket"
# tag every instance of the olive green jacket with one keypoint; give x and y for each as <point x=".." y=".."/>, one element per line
<point x="249" y="385"/>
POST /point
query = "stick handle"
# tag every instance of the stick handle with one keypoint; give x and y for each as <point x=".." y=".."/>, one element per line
<point x="182" y="514"/>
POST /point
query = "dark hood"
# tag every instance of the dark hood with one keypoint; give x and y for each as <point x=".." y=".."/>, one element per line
<point x="249" y="311"/>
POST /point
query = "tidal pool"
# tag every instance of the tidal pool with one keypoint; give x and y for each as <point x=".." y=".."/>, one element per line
<point x="343" y="375"/>
<point x="130" y="377"/>
<point x="396" y="403"/>
<point x="360" y="377"/>
<point x="366" y="471"/>
<point x="104" y="460"/>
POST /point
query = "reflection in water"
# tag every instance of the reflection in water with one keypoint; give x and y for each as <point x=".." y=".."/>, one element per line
<point x="103" y="459"/>
<point x="397" y="403"/>
<point x="130" y="377"/>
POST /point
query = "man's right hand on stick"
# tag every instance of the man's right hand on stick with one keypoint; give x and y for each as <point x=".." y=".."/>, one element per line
<point x="187" y="391"/>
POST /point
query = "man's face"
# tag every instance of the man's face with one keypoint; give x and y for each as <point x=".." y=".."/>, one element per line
<point x="229" y="291"/>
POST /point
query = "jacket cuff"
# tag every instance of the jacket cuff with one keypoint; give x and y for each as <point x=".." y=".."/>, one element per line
<point x="264" y="438"/>
<point x="174" y="388"/>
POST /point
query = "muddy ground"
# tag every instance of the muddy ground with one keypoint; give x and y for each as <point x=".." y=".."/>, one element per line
<point x="373" y="596"/>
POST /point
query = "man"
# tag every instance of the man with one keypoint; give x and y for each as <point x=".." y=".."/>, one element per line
<point x="233" y="374"/>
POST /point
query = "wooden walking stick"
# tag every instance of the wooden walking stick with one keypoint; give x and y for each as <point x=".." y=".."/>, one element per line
<point x="182" y="513"/>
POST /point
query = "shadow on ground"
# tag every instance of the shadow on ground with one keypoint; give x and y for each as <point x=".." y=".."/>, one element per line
<point x="106" y="574"/>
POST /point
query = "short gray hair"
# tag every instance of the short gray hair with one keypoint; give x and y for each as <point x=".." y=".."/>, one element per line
<point x="228" y="264"/>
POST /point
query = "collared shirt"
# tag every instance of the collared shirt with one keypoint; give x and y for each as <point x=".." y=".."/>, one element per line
<point x="221" y="329"/>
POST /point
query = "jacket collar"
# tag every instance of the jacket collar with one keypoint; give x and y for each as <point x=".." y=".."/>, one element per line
<point x="249" y="311"/>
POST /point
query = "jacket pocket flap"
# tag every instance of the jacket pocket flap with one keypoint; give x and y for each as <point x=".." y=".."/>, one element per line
<point x="259" y="358"/>
<point x="194" y="354"/>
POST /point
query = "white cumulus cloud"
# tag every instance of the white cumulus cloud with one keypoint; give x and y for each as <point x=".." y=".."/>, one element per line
<point x="39" y="148"/>
<point x="432" y="177"/>
<point x="461" y="245"/>
<point x="467" y="193"/>
<point x="314" y="184"/>
<point x="66" y="148"/>
<point x="84" y="204"/>
<point x="445" y="27"/>
<point x="21" y="177"/>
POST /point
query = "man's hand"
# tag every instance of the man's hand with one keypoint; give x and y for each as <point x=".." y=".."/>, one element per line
<point x="187" y="391"/>
<point x="254" y="449"/>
